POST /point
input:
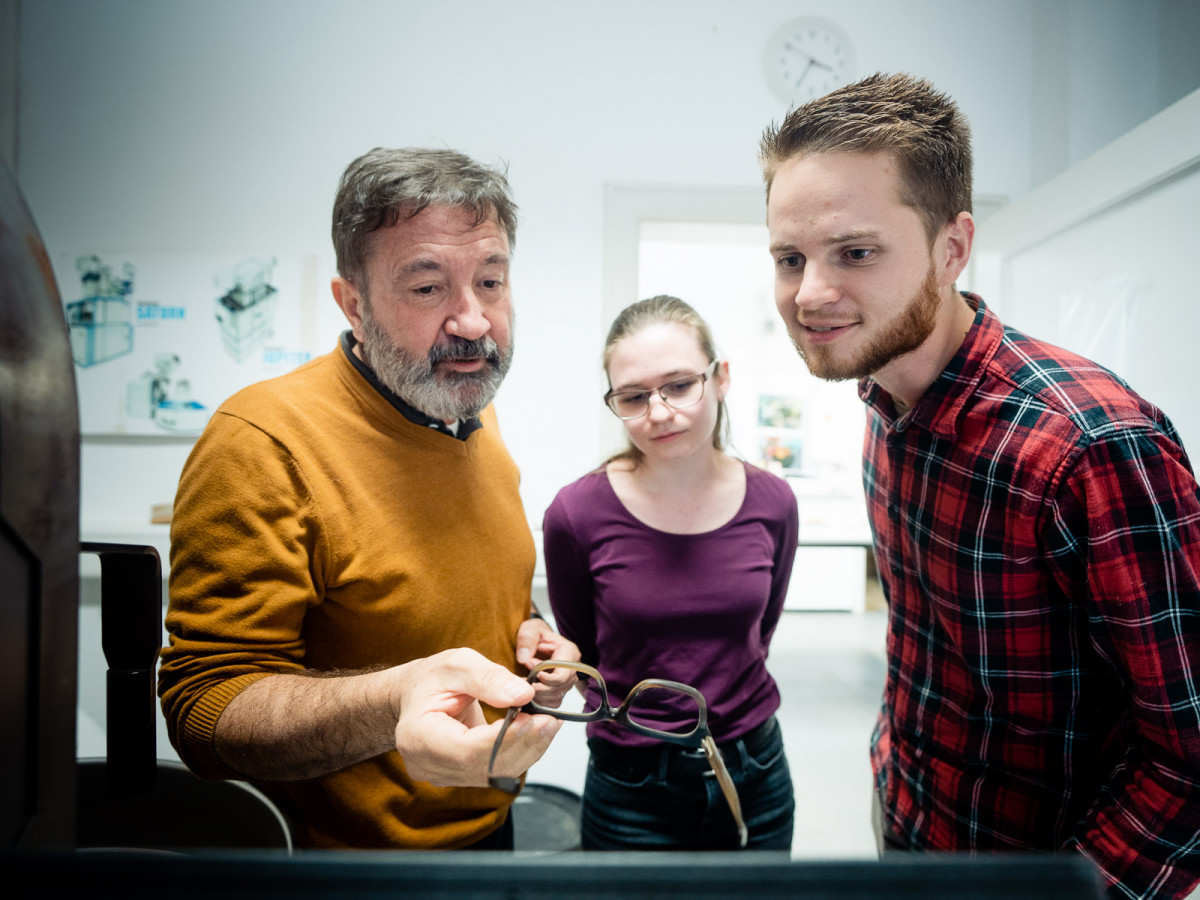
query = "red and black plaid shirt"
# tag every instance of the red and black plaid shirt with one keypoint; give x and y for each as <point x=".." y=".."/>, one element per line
<point x="1037" y="532"/>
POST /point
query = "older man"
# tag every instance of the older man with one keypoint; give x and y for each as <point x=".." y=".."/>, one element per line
<point x="339" y="529"/>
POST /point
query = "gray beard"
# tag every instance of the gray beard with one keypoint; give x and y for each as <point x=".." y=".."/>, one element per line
<point x="417" y="381"/>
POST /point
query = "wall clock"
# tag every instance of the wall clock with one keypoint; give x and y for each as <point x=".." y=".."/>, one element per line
<point x="807" y="58"/>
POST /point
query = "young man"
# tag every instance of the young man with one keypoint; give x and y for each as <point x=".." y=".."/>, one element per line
<point x="1036" y="522"/>
<point x="339" y="529"/>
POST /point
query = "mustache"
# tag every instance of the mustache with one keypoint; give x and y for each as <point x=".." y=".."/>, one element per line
<point x="461" y="348"/>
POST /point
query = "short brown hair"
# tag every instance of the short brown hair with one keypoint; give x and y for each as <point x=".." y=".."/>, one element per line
<point x="383" y="185"/>
<point x="900" y="115"/>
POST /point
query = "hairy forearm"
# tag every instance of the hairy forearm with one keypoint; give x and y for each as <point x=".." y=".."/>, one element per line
<point x="291" y="727"/>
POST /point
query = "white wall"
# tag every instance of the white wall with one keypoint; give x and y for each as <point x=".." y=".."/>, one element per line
<point x="1098" y="260"/>
<point x="1118" y="259"/>
<point x="222" y="126"/>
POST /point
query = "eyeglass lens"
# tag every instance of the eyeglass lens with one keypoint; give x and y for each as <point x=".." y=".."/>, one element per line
<point x="659" y="709"/>
<point x="678" y="394"/>
<point x="664" y="709"/>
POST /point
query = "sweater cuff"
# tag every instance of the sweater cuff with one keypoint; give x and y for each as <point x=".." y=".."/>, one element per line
<point x="197" y="738"/>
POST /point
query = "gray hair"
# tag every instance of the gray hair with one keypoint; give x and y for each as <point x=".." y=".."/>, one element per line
<point x="384" y="185"/>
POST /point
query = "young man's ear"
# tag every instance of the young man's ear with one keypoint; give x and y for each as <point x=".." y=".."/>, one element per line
<point x="349" y="300"/>
<point x="956" y="241"/>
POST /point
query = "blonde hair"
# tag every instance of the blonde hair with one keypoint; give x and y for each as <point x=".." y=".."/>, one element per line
<point x="664" y="309"/>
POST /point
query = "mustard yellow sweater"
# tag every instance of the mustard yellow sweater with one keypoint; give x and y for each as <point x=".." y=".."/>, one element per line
<point x="315" y="527"/>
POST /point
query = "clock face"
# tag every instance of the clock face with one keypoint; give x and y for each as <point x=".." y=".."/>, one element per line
<point x="806" y="59"/>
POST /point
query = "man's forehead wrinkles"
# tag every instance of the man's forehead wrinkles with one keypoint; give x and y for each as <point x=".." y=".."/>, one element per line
<point x="424" y="264"/>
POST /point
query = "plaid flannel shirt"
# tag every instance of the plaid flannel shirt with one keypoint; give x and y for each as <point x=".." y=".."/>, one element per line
<point x="1037" y="533"/>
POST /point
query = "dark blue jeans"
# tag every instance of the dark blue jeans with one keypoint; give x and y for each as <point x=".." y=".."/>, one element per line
<point x="668" y="799"/>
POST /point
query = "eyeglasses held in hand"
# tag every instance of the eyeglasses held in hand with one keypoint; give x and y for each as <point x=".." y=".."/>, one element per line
<point x="664" y="710"/>
<point x="678" y="393"/>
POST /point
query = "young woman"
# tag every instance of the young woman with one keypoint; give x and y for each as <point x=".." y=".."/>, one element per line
<point x="672" y="561"/>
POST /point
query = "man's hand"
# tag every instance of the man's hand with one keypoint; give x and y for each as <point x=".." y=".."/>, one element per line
<point x="537" y="642"/>
<point x="441" y="732"/>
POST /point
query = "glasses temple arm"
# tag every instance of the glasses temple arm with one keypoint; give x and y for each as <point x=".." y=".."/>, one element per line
<point x="503" y="783"/>
<point x="727" y="788"/>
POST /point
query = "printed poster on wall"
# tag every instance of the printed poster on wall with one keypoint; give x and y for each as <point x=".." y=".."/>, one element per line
<point x="160" y="340"/>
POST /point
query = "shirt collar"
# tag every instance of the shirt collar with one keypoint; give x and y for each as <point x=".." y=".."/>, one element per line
<point x="943" y="401"/>
<point x="465" y="426"/>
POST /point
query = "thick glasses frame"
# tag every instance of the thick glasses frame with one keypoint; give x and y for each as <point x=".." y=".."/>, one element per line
<point x="698" y="738"/>
<point x="612" y="396"/>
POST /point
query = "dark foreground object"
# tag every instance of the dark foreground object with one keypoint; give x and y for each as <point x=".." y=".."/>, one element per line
<point x="259" y="876"/>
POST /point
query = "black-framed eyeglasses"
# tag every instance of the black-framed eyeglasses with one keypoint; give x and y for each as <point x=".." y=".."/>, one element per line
<point x="678" y="393"/>
<point x="665" y="710"/>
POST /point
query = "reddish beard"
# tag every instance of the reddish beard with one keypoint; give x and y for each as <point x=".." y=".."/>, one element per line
<point x="905" y="332"/>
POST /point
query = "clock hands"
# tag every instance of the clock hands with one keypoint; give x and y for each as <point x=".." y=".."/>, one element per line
<point x="803" y="74"/>
<point x="806" y="57"/>
<point x="812" y="62"/>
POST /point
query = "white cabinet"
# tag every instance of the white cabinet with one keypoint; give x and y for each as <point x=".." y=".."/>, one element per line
<point x="831" y="563"/>
<point x="828" y="579"/>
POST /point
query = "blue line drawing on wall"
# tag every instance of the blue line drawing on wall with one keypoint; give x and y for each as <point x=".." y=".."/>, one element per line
<point x="99" y="322"/>
<point x="170" y="406"/>
<point x="246" y="311"/>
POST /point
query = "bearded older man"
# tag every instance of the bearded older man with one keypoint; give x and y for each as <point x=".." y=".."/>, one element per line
<point x="339" y="529"/>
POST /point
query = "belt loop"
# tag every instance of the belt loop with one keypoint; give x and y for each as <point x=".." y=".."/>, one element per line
<point x="743" y="753"/>
<point x="758" y="737"/>
<point x="664" y="762"/>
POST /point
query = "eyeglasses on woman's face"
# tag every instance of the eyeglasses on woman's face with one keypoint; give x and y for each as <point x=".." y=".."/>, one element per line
<point x="678" y="393"/>
<point x="665" y="710"/>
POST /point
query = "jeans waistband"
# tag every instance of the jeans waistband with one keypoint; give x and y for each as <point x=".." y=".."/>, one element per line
<point x="672" y="757"/>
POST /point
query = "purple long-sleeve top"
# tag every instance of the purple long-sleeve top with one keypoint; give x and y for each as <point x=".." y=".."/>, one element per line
<point x="695" y="608"/>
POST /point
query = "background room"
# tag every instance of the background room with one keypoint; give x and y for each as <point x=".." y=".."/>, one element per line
<point x="182" y="154"/>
